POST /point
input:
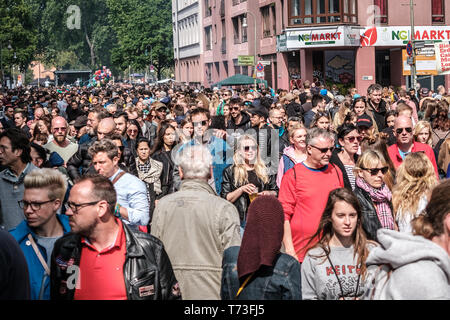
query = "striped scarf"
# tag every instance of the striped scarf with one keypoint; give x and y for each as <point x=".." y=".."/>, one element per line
<point x="381" y="199"/>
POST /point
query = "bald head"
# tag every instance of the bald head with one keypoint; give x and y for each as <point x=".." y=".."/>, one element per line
<point x="59" y="122"/>
<point x="106" y="128"/>
<point x="403" y="130"/>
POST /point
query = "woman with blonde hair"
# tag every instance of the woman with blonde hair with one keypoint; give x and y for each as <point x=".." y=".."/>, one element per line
<point x="373" y="194"/>
<point x="415" y="179"/>
<point x="247" y="177"/>
<point x="422" y="132"/>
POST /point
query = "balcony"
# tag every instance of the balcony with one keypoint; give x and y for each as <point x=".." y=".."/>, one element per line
<point x="223" y="47"/>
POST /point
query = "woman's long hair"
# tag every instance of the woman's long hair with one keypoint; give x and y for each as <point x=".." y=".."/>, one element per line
<point x="415" y="177"/>
<point x="419" y="127"/>
<point x="240" y="173"/>
<point x="162" y="128"/>
<point x="325" y="231"/>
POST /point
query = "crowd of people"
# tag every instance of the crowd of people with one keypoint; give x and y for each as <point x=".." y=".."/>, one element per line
<point x="171" y="192"/>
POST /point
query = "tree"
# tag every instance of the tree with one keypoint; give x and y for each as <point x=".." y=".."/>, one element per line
<point x="18" y="36"/>
<point x="142" y="26"/>
<point x="79" y="26"/>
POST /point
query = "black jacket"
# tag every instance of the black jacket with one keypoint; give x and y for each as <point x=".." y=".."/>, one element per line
<point x="167" y="172"/>
<point x="370" y="220"/>
<point x="81" y="161"/>
<point x="243" y="201"/>
<point x="146" y="265"/>
<point x="244" y="124"/>
<point x="379" y="114"/>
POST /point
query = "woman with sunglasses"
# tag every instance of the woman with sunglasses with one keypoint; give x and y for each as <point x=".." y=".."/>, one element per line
<point x="415" y="180"/>
<point x="346" y="156"/>
<point x="133" y="134"/>
<point x="334" y="267"/>
<point x="373" y="194"/>
<point x="247" y="177"/>
<point x="165" y="141"/>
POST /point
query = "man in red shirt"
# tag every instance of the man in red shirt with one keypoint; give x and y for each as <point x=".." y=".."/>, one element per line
<point x="304" y="191"/>
<point x="403" y="131"/>
<point x="103" y="258"/>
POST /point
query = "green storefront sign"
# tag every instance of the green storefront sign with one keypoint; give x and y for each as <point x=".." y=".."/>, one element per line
<point x="246" y="60"/>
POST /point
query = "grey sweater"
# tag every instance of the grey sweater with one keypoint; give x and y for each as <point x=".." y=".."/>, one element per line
<point x="319" y="282"/>
<point x="408" y="267"/>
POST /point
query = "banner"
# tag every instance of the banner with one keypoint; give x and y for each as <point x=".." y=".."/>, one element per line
<point x="442" y="51"/>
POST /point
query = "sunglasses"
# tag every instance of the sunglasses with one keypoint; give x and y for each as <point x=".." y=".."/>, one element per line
<point x="324" y="150"/>
<point x="200" y="123"/>
<point x="352" y="139"/>
<point x="235" y="108"/>
<point x="248" y="148"/>
<point x="400" y="130"/>
<point x="375" y="171"/>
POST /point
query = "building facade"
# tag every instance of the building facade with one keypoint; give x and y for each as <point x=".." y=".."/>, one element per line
<point x="188" y="41"/>
<point x="352" y="43"/>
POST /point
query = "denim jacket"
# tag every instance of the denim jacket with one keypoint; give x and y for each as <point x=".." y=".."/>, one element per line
<point x="280" y="282"/>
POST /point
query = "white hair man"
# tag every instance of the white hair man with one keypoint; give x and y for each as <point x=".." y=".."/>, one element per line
<point x="196" y="226"/>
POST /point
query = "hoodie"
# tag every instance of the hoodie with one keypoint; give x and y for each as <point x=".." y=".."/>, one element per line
<point x="244" y="124"/>
<point x="408" y="267"/>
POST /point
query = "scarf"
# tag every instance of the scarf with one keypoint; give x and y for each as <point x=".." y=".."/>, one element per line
<point x="381" y="199"/>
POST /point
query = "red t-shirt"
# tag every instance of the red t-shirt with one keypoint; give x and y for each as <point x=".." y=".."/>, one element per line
<point x="304" y="200"/>
<point x="101" y="273"/>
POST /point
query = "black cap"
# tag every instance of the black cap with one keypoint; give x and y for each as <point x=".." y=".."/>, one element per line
<point x="80" y="122"/>
<point x="364" y="121"/>
<point x="260" y="111"/>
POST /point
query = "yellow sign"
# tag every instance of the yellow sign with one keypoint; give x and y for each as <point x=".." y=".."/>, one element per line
<point x="246" y="60"/>
<point x="425" y="65"/>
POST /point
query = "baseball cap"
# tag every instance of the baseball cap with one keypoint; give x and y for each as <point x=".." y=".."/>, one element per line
<point x="364" y="121"/>
<point x="323" y="92"/>
<point x="424" y="91"/>
<point x="260" y="111"/>
<point x="340" y="98"/>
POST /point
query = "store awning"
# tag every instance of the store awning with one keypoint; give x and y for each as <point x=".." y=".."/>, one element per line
<point x="238" y="80"/>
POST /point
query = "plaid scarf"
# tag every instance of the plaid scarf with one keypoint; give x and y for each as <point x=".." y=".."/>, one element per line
<point x="144" y="168"/>
<point x="381" y="198"/>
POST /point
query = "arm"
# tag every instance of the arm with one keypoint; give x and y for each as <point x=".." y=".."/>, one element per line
<point x="287" y="197"/>
<point x="229" y="226"/>
<point x="170" y="289"/>
<point x="75" y="162"/>
<point x="293" y="283"/>
<point x="137" y="211"/>
<point x="287" y="240"/>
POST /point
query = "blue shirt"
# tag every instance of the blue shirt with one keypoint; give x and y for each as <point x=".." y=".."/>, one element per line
<point x="39" y="280"/>
<point x="132" y="195"/>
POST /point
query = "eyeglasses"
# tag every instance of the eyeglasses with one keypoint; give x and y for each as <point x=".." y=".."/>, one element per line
<point x="77" y="206"/>
<point x="200" y="123"/>
<point x="352" y="139"/>
<point x="23" y="204"/>
<point x="375" y="171"/>
<point x="132" y="130"/>
<point x="400" y="130"/>
<point x="324" y="150"/>
<point x="235" y="108"/>
<point x="252" y="148"/>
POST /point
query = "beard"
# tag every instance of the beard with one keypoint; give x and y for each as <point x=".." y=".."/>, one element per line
<point x="85" y="231"/>
<point x="59" y="138"/>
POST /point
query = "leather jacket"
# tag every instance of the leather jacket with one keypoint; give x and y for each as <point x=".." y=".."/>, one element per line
<point x="146" y="265"/>
<point x="243" y="201"/>
<point x="370" y="220"/>
<point x="81" y="160"/>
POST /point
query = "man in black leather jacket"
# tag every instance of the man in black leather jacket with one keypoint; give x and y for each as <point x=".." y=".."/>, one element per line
<point x="129" y="264"/>
<point x="80" y="163"/>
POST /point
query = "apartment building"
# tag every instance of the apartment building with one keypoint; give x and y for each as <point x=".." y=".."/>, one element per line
<point x="349" y="42"/>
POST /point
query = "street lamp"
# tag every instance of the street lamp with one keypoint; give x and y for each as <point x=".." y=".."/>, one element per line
<point x="245" y="25"/>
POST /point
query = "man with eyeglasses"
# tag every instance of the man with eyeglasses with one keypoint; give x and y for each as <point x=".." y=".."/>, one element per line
<point x="103" y="258"/>
<point x="304" y="191"/>
<point x="43" y="196"/>
<point x="60" y="144"/>
<point x="403" y="131"/>
<point x="15" y="156"/>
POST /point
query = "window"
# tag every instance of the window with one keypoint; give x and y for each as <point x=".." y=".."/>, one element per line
<point x="322" y="12"/>
<point x="243" y="31"/>
<point x="235" y="22"/>
<point x="382" y="9"/>
<point x="274" y="19"/>
<point x="208" y="40"/>
<point x="265" y="21"/>
<point x="437" y="11"/>
<point x="208" y="9"/>
<point x="237" y="67"/>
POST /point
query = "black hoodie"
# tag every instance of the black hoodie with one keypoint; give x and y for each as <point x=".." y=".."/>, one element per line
<point x="244" y="124"/>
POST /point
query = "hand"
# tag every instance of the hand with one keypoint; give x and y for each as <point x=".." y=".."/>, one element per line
<point x="267" y="193"/>
<point x="248" y="188"/>
<point x="220" y="134"/>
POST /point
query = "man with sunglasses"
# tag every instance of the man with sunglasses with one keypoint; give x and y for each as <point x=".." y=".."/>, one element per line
<point x="43" y="196"/>
<point x="60" y="144"/>
<point x="403" y="131"/>
<point x="304" y="191"/>
<point x="239" y="119"/>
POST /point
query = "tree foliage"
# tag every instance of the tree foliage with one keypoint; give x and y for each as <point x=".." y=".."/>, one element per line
<point x="144" y="31"/>
<point x="18" y="33"/>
